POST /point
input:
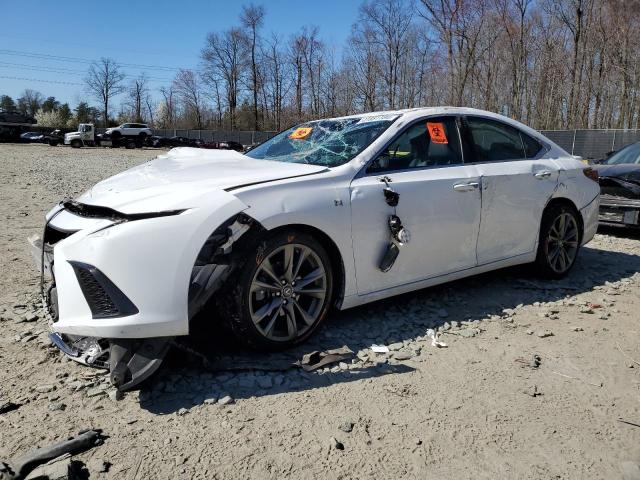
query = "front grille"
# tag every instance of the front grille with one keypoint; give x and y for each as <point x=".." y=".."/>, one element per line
<point x="105" y="300"/>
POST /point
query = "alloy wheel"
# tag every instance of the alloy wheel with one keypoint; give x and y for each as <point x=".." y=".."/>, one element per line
<point x="287" y="292"/>
<point x="562" y="242"/>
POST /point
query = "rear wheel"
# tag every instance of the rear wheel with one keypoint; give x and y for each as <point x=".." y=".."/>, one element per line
<point x="281" y="296"/>
<point x="559" y="241"/>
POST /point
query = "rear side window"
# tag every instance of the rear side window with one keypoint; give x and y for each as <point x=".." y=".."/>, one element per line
<point x="427" y="143"/>
<point x="531" y="146"/>
<point x="495" y="141"/>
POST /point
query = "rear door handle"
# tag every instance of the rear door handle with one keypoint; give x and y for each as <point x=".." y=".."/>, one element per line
<point x="466" y="187"/>
<point x="542" y="174"/>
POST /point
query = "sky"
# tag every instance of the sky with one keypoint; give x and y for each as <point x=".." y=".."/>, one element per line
<point x="156" y="37"/>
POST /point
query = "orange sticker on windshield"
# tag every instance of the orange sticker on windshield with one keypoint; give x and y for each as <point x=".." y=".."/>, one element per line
<point x="300" y="133"/>
<point x="436" y="132"/>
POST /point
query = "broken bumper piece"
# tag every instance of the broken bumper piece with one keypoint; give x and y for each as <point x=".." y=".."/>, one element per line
<point x="129" y="361"/>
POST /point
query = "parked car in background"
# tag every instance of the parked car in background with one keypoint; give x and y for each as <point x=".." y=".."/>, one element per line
<point x="55" y="137"/>
<point x="130" y="130"/>
<point x="32" y="137"/>
<point x="228" y="145"/>
<point x="620" y="187"/>
<point x="331" y="213"/>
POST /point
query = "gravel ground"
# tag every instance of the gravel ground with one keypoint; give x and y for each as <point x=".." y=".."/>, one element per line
<point x="482" y="408"/>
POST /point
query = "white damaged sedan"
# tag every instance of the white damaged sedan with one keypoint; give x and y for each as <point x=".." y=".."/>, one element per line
<point x="330" y="213"/>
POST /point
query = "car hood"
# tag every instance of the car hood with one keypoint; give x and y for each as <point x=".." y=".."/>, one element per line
<point x="182" y="177"/>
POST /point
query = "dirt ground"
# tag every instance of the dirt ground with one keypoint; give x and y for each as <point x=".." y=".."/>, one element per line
<point x="481" y="408"/>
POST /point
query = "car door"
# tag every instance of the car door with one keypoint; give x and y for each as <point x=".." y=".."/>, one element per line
<point x="439" y="205"/>
<point x="517" y="182"/>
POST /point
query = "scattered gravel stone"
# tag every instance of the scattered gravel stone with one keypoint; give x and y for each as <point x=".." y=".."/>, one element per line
<point x="468" y="332"/>
<point x="577" y="329"/>
<point x="55" y="407"/>
<point x="45" y="388"/>
<point x="346" y="427"/>
<point x="532" y="391"/>
<point x="545" y="334"/>
<point x="115" y="394"/>
<point x="226" y="400"/>
<point x="96" y="391"/>
<point x="402" y="356"/>
<point x="210" y="400"/>
<point x="183" y="411"/>
<point x="30" y="317"/>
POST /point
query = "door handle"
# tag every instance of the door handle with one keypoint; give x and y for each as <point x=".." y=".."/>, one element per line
<point x="542" y="174"/>
<point x="466" y="187"/>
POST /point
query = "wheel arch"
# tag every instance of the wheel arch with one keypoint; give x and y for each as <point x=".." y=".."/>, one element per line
<point x="564" y="201"/>
<point x="337" y="262"/>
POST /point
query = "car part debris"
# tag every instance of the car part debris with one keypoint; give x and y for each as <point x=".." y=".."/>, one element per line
<point x="20" y="467"/>
<point x="132" y="361"/>
<point x="431" y="333"/>
<point x="399" y="234"/>
<point x="317" y="359"/>
<point x="7" y="406"/>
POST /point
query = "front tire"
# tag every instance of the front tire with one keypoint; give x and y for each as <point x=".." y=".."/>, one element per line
<point x="76" y="143"/>
<point x="559" y="243"/>
<point x="281" y="294"/>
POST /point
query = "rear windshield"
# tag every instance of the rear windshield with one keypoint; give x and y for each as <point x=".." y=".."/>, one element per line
<point x="328" y="143"/>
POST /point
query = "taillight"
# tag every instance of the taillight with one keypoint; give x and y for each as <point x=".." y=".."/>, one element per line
<point x="591" y="174"/>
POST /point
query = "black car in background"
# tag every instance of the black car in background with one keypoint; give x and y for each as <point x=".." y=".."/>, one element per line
<point x="620" y="187"/>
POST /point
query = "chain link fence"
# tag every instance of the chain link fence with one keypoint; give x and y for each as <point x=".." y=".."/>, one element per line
<point x="592" y="144"/>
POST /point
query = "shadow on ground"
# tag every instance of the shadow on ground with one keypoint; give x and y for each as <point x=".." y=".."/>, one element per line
<point x="214" y="366"/>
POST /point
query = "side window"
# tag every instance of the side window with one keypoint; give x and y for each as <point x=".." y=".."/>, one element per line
<point x="531" y="146"/>
<point x="427" y="143"/>
<point x="126" y="125"/>
<point x="495" y="141"/>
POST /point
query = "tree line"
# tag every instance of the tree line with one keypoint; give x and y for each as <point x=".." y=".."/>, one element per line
<point x="552" y="64"/>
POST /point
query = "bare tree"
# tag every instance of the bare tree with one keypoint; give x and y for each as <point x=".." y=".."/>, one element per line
<point x="138" y="93"/>
<point x="104" y="81"/>
<point x="222" y="58"/>
<point x="30" y="102"/>
<point x="187" y="87"/>
<point x="252" y="18"/>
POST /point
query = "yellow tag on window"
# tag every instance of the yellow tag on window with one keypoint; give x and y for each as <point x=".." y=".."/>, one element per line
<point x="300" y="133"/>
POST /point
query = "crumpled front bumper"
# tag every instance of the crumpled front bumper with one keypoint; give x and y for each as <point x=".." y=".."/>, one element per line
<point x="149" y="261"/>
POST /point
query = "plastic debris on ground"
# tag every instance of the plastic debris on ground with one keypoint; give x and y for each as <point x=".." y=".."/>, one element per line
<point x="380" y="348"/>
<point x="431" y="333"/>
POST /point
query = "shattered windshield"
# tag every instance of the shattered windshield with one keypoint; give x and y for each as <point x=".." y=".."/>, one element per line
<point x="327" y="143"/>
